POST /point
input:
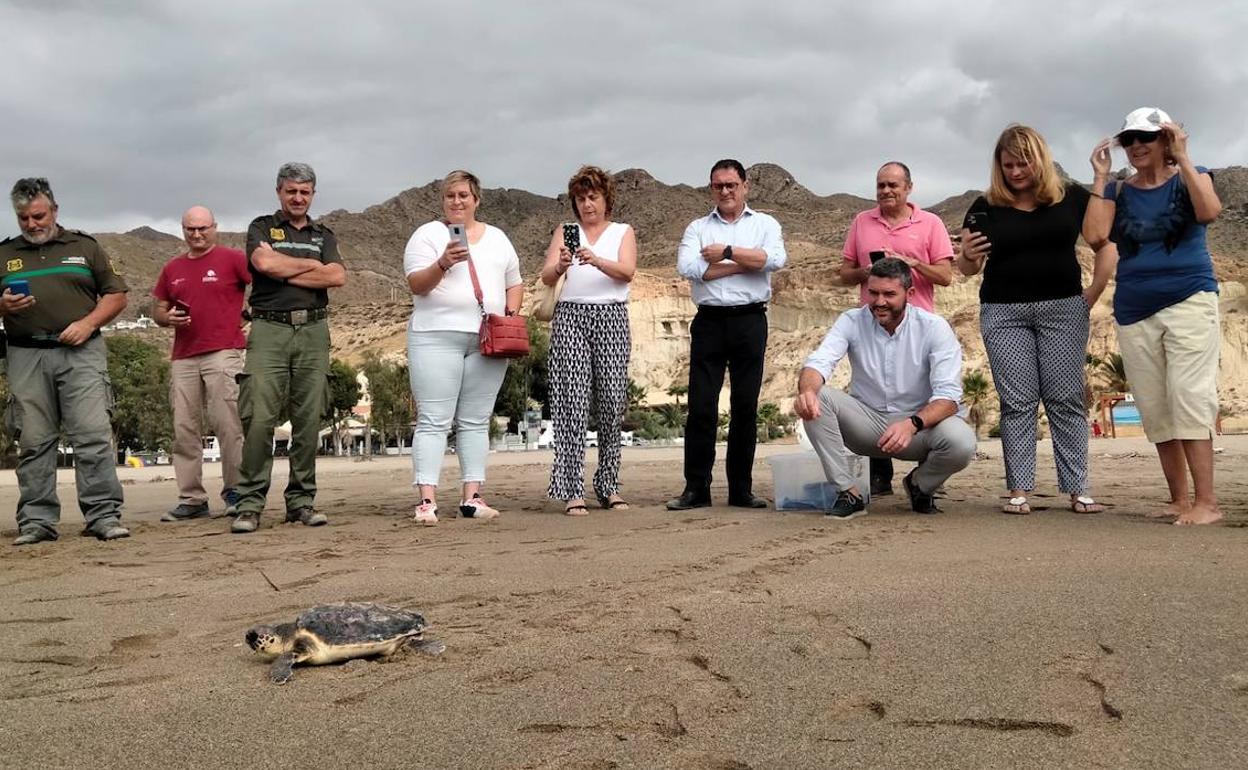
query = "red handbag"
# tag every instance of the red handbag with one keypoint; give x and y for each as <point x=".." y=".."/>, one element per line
<point x="502" y="336"/>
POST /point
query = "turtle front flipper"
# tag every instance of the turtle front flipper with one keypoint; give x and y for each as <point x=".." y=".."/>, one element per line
<point x="283" y="669"/>
<point x="427" y="646"/>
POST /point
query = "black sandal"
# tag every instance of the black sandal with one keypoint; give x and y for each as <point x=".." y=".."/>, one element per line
<point x="576" y="510"/>
<point x="613" y="505"/>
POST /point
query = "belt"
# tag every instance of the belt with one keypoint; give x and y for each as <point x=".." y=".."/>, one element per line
<point x="292" y="317"/>
<point x="44" y="341"/>
<point x="723" y="311"/>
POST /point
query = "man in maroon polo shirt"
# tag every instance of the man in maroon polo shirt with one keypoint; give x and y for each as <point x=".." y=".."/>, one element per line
<point x="200" y="295"/>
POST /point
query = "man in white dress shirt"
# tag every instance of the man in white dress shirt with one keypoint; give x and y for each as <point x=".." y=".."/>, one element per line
<point x="903" y="393"/>
<point x="728" y="257"/>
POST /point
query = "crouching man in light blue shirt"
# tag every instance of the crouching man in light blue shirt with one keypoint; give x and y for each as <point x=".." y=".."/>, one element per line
<point x="903" y="393"/>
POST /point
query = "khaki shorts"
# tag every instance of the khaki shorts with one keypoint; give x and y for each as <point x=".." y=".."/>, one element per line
<point x="1171" y="359"/>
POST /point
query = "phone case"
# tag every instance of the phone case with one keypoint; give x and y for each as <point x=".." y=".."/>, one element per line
<point x="572" y="236"/>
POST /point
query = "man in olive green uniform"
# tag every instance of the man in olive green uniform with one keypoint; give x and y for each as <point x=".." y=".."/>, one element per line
<point x="59" y="289"/>
<point x="294" y="261"/>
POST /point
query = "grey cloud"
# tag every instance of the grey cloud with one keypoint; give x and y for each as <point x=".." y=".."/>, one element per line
<point x="142" y="109"/>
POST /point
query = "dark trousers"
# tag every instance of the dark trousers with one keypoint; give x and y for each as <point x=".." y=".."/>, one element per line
<point x="882" y="471"/>
<point x="732" y="339"/>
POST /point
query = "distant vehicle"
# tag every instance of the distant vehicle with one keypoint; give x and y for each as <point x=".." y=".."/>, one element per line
<point x="212" y="449"/>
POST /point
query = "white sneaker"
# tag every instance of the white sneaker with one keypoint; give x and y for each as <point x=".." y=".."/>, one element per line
<point x="426" y="513"/>
<point x="476" y="508"/>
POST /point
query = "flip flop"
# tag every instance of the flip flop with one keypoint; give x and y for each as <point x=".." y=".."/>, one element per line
<point x="1085" y="504"/>
<point x="613" y="505"/>
<point x="1017" y="506"/>
<point x="576" y="510"/>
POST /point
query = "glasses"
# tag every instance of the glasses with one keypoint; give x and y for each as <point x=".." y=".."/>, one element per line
<point x="1128" y="138"/>
<point x="203" y="229"/>
<point x="725" y="186"/>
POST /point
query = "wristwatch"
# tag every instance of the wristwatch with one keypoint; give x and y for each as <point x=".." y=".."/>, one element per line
<point x="728" y="252"/>
<point x="916" y="421"/>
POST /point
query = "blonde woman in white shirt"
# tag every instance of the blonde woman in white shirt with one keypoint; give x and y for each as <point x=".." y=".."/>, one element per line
<point x="451" y="381"/>
<point x="589" y="341"/>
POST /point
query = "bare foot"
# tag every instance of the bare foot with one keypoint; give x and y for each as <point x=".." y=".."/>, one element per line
<point x="1199" y="514"/>
<point x="1171" y="510"/>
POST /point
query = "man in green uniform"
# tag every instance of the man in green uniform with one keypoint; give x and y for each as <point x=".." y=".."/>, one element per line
<point x="294" y="261"/>
<point x="59" y="289"/>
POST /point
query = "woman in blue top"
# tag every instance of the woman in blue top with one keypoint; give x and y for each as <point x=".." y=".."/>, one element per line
<point x="1166" y="301"/>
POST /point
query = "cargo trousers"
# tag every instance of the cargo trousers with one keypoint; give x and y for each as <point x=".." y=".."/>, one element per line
<point x="67" y="388"/>
<point x="286" y="375"/>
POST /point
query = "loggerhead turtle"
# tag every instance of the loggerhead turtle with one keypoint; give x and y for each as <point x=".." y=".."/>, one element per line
<point x="333" y="633"/>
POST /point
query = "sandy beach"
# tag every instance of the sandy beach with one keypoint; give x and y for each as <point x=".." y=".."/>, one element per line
<point x="716" y="638"/>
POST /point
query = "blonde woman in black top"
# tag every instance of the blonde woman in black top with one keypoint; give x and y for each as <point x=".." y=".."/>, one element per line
<point x="1034" y="311"/>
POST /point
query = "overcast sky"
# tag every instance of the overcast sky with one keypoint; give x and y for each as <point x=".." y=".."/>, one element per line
<point x="136" y="110"/>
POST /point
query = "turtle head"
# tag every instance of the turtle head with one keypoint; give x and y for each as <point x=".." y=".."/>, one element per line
<point x="268" y="641"/>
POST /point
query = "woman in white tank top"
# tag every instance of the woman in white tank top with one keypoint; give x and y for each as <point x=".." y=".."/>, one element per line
<point x="589" y="340"/>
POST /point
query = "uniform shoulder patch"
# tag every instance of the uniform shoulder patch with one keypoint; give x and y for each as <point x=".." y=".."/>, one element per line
<point x="277" y="233"/>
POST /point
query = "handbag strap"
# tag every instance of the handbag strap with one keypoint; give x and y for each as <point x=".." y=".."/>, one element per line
<point x="476" y="284"/>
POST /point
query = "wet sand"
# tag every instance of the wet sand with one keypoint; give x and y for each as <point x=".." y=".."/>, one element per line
<point x="716" y="638"/>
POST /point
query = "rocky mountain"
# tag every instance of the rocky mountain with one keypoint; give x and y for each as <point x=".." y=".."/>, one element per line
<point x="369" y="313"/>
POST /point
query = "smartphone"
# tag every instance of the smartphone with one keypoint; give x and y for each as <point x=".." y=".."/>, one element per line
<point x="875" y="256"/>
<point x="181" y="307"/>
<point x="459" y="233"/>
<point x="572" y="237"/>
<point x="20" y="286"/>
<point x="975" y="221"/>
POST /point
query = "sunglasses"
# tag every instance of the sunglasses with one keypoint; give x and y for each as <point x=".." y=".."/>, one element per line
<point x="1128" y="138"/>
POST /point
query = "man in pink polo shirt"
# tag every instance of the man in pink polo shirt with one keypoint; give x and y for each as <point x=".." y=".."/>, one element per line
<point x="897" y="228"/>
<point x="200" y="295"/>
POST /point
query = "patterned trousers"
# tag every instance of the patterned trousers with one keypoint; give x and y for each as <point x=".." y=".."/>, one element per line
<point x="1037" y="351"/>
<point x="589" y="349"/>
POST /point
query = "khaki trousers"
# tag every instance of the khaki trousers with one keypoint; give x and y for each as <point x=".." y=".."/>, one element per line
<point x="208" y="384"/>
<point x="1171" y="359"/>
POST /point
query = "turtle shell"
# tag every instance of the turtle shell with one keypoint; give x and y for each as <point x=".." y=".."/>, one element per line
<point x="360" y="623"/>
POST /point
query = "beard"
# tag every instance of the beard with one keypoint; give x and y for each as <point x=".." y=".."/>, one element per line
<point x="41" y="237"/>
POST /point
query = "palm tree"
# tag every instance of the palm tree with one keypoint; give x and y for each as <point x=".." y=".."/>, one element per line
<point x="676" y="391"/>
<point x="671" y="415"/>
<point x="636" y="395"/>
<point x="1115" y="373"/>
<point x="975" y="392"/>
<point x="768" y="415"/>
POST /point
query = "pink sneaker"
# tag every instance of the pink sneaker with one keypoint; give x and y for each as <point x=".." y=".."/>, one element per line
<point x="426" y="513"/>
<point x="476" y="508"/>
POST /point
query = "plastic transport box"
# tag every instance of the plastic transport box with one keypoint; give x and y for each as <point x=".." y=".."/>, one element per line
<point x="800" y="485"/>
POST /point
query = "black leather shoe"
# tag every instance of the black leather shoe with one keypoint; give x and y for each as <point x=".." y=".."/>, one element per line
<point x="750" y="501"/>
<point x="690" y="499"/>
<point x="920" y="501"/>
<point x="881" y="488"/>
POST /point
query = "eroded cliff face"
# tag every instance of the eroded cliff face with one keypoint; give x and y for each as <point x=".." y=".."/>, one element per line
<point x="807" y="299"/>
